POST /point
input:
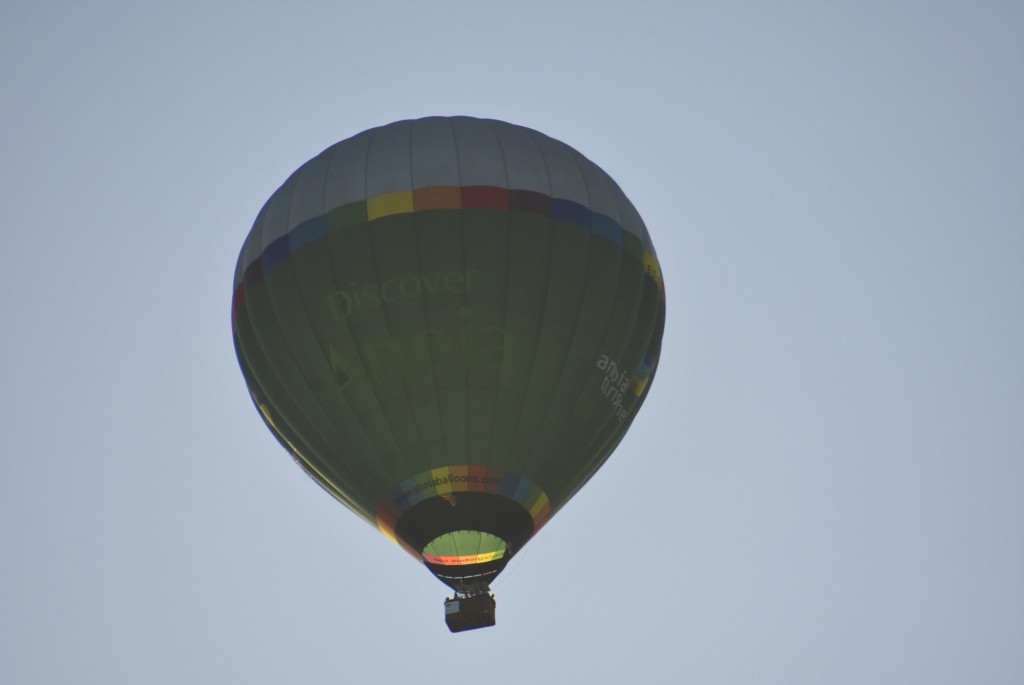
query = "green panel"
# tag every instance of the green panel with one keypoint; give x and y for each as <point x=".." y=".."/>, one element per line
<point x="450" y="337"/>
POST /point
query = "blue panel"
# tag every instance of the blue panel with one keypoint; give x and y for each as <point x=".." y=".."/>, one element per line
<point x="522" y="491"/>
<point x="307" y="232"/>
<point x="570" y="212"/>
<point x="276" y="252"/>
<point x="606" y="227"/>
<point x="509" y="485"/>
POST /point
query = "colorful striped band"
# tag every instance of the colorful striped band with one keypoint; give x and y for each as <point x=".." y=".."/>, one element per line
<point x="445" y="197"/>
<point x="447" y="480"/>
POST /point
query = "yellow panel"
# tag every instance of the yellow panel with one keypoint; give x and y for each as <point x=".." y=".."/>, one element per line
<point x="442" y="474"/>
<point x="399" y="202"/>
<point x="652" y="267"/>
<point x="539" y="505"/>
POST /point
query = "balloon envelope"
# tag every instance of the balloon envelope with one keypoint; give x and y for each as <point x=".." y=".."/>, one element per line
<point x="450" y="323"/>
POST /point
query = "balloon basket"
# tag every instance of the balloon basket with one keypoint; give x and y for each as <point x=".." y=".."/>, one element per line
<point x="469" y="610"/>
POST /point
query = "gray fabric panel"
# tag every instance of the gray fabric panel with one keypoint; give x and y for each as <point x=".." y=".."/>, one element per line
<point x="275" y="218"/>
<point x="346" y="172"/>
<point x="481" y="161"/>
<point x="523" y="160"/>
<point x="438" y="151"/>
<point x="602" y="193"/>
<point x="564" y="174"/>
<point x="388" y="165"/>
<point x="434" y="159"/>
<point x="307" y="196"/>
<point x="630" y="220"/>
<point x="250" y="248"/>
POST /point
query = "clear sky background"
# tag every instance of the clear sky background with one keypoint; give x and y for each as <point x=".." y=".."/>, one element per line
<point x="826" y="484"/>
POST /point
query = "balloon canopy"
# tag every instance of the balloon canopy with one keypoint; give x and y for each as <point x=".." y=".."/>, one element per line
<point x="449" y="323"/>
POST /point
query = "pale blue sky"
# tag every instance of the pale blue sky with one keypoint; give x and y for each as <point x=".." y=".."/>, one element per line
<point x="827" y="480"/>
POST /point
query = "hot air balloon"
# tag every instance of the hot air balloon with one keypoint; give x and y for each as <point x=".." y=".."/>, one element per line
<point x="450" y="323"/>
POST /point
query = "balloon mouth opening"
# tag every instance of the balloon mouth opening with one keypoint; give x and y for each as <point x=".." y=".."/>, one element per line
<point x="464" y="548"/>
<point x="465" y="537"/>
<point x="464" y="559"/>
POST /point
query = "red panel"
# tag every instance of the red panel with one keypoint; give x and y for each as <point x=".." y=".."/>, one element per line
<point x="484" y="197"/>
